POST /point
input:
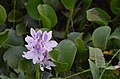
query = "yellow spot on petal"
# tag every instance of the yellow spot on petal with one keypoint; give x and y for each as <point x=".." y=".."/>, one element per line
<point x="38" y="36"/>
<point x="37" y="47"/>
<point x="108" y="52"/>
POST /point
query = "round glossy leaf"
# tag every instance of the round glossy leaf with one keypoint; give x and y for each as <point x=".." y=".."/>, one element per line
<point x="98" y="16"/>
<point x="69" y="4"/>
<point x="116" y="34"/>
<point x="60" y="66"/>
<point x="96" y="55"/>
<point x="13" y="55"/>
<point x="10" y="38"/>
<point x="13" y="39"/>
<point x="20" y="29"/>
<point x="54" y="55"/>
<point x="3" y="15"/>
<point x="26" y="66"/>
<point x="3" y="36"/>
<point x="67" y="51"/>
<point x="73" y="35"/>
<point x="32" y="8"/>
<point x="100" y="37"/>
<point x="48" y="15"/>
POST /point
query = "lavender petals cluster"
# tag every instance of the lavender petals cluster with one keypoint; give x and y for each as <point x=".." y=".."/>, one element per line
<point x="39" y="46"/>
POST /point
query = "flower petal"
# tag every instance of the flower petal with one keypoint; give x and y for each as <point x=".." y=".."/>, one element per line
<point x="29" y="46"/>
<point x="29" y="39"/>
<point x="28" y="55"/>
<point x="33" y="33"/>
<point x="49" y="64"/>
<point x="51" y="44"/>
<point x="35" y="59"/>
<point x="47" y="36"/>
<point x="41" y="57"/>
<point x="41" y="68"/>
<point x="39" y="33"/>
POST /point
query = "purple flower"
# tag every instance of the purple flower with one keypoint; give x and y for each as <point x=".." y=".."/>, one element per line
<point x="39" y="45"/>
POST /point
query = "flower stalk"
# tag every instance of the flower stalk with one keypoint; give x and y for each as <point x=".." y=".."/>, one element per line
<point x="38" y="74"/>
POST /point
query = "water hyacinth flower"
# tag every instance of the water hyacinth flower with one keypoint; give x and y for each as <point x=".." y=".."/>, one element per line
<point x="39" y="45"/>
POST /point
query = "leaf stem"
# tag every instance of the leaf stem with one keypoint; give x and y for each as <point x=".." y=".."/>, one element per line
<point x="78" y="73"/>
<point x="68" y="23"/>
<point x="37" y="71"/>
<point x="109" y="63"/>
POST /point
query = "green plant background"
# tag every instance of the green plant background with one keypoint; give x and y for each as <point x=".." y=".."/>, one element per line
<point x="88" y="33"/>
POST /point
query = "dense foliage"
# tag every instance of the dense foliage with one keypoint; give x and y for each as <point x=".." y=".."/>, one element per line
<point x="87" y="33"/>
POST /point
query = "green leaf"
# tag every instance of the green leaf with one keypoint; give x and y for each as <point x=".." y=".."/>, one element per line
<point x="27" y="67"/>
<point x="94" y="70"/>
<point x="98" y="16"/>
<point x="67" y="51"/>
<point x="116" y="34"/>
<point x="115" y="6"/>
<point x="13" y="55"/>
<point x="81" y="50"/>
<point x="73" y="35"/>
<point x="60" y="66"/>
<point x="96" y="55"/>
<point x="13" y="39"/>
<point x="3" y="36"/>
<point x="100" y="37"/>
<point x="3" y="15"/>
<point x="21" y="29"/>
<point x="54" y="54"/>
<point x="63" y="55"/>
<point x="32" y="8"/>
<point x="9" y="38"/>
<point x="69" y="4"/>
<point x="48" y="15"/>
<point x="15" y="18"/>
